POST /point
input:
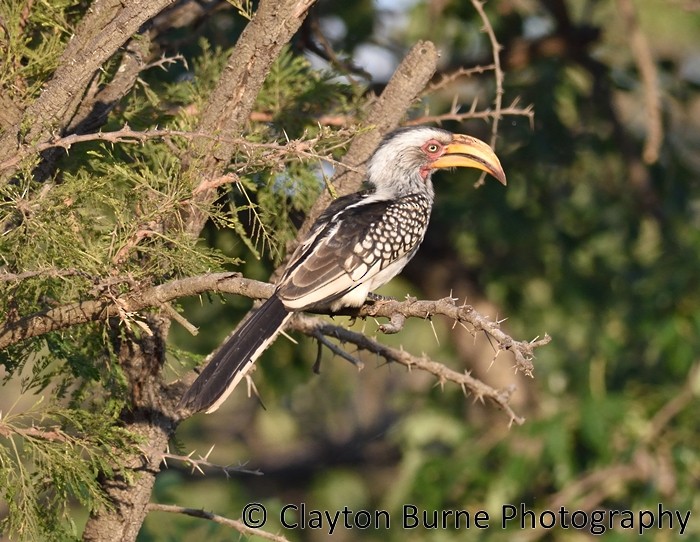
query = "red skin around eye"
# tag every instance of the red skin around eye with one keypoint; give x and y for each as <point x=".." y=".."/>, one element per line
<point x="431" y="154"/>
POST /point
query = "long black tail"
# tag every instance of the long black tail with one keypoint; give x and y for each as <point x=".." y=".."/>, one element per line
<point x="231" y="362"/>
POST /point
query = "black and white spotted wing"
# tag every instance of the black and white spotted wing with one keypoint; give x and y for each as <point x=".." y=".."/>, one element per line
<point x="357" y="243"/>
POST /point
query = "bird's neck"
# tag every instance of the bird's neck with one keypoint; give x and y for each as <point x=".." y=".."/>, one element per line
<point x="395" y="184"/>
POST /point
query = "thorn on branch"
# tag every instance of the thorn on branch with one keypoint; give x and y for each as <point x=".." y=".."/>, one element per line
<point x="200" y="463"/>
<point x="316" y="327"/>
<point x="322" y="340"/>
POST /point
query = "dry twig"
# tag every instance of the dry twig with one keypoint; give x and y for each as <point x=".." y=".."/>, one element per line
<point x="647" y="71"/>
<point x="497" y="71"/>
<point x="221" y="520"/>
<point x="454" y="114"/>
<point x="299" y="148"/>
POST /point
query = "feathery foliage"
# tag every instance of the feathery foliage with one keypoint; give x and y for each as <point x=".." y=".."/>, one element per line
<point x="52" y="456"/>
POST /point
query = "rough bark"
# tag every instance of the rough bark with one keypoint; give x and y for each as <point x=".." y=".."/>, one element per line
<point x="130" y="497"/>
<point x="12" y="332"/>
<point x="106" y="27"/>
<point x="99" y="101"/>
<point x="230" y="104"/>
<point x="152" y="417"/>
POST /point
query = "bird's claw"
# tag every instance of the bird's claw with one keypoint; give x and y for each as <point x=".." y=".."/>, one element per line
<point x="374" y="298"/>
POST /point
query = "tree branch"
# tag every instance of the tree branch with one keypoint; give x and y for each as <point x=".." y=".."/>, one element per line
<point x="412" y="308"/>
<point x="202" y="462"/>
<point x="99" y="101"/>
<point x="498" y="73"/>
<point x="106" y="27"/>
<point x="647" y="71"/>
<point x="314" y="326"/>
<point x="50" y="434"/>
<point x="101" y="308"/>
<point x="221" y="520"/>
<point x="231" y="103"/>
<point x="448" y="78"/>
<point x="300" y="148"/>
<point x="454" y="114"/>
<point x="12" y="332"/>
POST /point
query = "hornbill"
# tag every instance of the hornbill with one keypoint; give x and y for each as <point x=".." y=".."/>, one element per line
<point x="360" y="242"/>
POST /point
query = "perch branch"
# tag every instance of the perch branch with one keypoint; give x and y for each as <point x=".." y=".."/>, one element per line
<point x="16" y="330"/>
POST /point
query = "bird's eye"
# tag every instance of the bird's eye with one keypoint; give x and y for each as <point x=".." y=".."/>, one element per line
<point x="432" y="147"/>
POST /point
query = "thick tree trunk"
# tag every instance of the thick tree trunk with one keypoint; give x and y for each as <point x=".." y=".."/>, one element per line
<point x="153" y="417"/>
<point x="130" y="496"/>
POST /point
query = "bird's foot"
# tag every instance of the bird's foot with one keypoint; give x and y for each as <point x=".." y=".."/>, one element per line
<point x="374" y="298"/>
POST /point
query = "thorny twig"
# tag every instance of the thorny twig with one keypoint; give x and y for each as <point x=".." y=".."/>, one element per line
<point x="54" y="434"/>
<point x="454" y="114"/>
<point x="44" y="273"/>
<point x="201" y="462"/>
<point x="447" y="78"/>
<point x="413" y="308"/>
<point x="295" y="147"/>
<point x="314" y="326"/>
<point x="323" y="341"/>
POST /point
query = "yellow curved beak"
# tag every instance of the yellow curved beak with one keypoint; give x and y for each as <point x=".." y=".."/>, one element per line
<point x="467" y="151"/>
